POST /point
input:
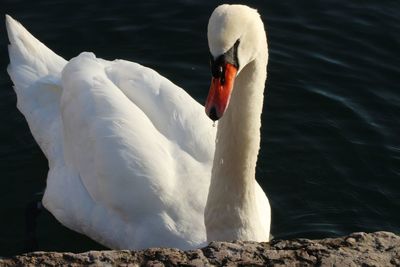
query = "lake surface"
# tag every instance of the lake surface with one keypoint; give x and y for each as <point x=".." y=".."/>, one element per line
<point x="330" y="152"/>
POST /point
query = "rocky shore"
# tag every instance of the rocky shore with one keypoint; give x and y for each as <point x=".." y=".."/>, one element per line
<point x="357" y="249"/>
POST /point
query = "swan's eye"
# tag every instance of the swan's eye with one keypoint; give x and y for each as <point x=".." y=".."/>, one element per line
<point x="217" y="68"/>
<point x="222" y="75"/>
<point x="220" y="71"/>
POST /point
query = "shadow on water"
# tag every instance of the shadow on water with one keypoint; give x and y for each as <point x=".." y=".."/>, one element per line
<point x="329" y="159"/>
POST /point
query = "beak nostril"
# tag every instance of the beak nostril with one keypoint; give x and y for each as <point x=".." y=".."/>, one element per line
<point x="213" y="114"/>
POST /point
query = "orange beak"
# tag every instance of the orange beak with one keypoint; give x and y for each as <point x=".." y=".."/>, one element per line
<point x="220" y="92"/>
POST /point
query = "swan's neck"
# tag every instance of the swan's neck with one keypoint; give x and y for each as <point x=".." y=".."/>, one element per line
<point x="231" y="210"/>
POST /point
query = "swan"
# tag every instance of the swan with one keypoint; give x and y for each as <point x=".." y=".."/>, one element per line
<point x="134" y="161"/>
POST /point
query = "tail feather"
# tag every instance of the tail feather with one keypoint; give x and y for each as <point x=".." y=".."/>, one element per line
<point x="36" y="71"/>
<point x="30" y="60"/>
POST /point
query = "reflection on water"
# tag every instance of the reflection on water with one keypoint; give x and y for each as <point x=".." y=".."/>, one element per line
<point x="329" y="160"/>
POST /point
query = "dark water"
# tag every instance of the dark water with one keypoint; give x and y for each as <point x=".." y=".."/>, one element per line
<point x="330" y="153"/>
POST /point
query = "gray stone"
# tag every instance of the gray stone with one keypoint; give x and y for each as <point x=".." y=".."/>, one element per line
<point x="357" y="249"/>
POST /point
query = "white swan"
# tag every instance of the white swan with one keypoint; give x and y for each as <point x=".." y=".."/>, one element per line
<point x="131" y="155"/>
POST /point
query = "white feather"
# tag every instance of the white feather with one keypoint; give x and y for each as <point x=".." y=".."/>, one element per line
<point x="130" y="153"/>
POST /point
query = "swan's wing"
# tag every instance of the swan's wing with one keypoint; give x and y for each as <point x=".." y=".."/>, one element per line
<point x="171" y="110"/>
<point x="129" y="151"/>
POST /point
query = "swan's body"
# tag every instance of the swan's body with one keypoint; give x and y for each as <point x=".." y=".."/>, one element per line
<point x="130" y="153"/>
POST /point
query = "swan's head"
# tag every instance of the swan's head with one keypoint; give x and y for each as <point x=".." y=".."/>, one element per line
<point x="235" y="36"/>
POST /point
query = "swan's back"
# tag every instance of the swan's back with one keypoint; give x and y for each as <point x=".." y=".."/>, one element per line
<point x="129" y="152"/>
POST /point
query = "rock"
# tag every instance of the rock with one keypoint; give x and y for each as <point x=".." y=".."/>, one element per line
<point x="357" y="249"/>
